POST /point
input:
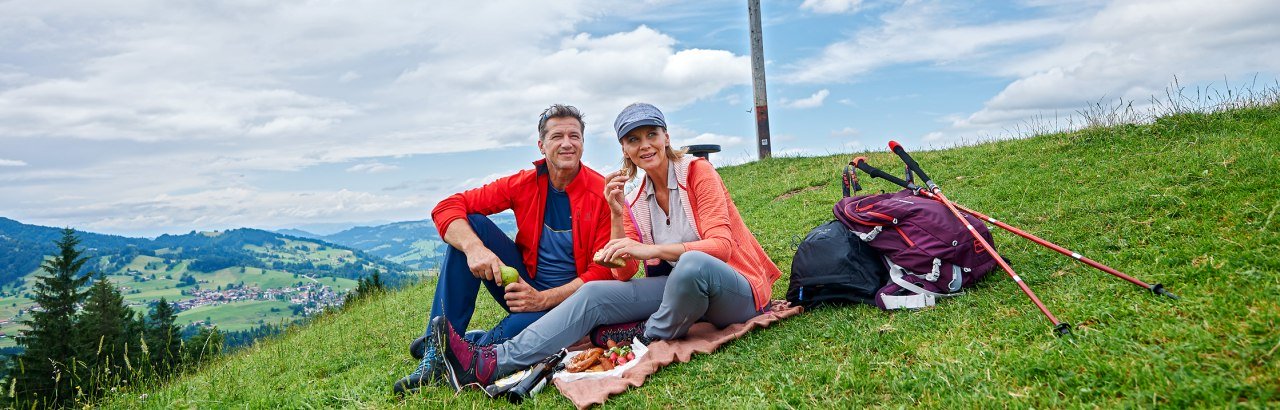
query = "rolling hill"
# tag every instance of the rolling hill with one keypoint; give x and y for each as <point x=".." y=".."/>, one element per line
<point x="414" y="244"/>
<point x="1182" y="201"/>
<point x="237" y="279"/>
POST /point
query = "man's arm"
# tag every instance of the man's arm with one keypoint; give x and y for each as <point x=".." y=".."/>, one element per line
<point x="524" y="298"/>
<point x="484" y="264"/>
<point x="450" y="217"/>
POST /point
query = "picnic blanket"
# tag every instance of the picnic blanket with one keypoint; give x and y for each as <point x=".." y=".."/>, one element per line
<point x="702" y="338"/>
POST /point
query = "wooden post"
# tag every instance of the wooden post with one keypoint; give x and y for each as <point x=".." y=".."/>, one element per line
<point x="757" y="77"/>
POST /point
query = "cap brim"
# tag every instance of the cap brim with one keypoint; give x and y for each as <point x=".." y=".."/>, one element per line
<point x="632" y="126"/>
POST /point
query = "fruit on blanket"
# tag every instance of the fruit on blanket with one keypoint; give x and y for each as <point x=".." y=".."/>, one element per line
<point x="509" y="275"/>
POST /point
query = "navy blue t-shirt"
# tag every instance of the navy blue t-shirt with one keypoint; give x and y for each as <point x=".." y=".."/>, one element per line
<point x="555" y="249"/>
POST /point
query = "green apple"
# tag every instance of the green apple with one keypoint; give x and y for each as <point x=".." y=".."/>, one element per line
<point x="509" y="275"/>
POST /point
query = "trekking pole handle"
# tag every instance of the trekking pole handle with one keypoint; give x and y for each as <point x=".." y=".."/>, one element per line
<point x="861" y="163"/>
<point x="911" y="163"/>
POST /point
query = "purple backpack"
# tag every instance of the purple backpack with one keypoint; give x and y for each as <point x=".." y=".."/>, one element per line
<point x="928" y="252"/>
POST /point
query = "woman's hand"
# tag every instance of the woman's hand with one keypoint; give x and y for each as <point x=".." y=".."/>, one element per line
<point x="614" y="185"/>
<point x="627" y="248"/>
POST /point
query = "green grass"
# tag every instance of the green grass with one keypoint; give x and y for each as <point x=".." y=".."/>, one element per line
<point x="239" y="316"/>
<point x="1188" y="201"/>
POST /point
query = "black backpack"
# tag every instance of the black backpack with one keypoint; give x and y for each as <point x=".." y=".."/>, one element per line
<point x="833" y="266"/>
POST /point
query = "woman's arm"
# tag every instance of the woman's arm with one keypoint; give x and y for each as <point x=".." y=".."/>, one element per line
<point x="712" y="222"/>
<point x="619" y="226"/>
<point x="711" y="200"/>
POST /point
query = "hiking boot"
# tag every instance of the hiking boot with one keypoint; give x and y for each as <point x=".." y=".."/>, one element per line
<point x="418" y="347"/>
<point x="430" y="369"/>
<point x="420" y="344"/>
<point x="465" y="363"/>
<point x="474" y="336"/>
<point x="623" y="332"/>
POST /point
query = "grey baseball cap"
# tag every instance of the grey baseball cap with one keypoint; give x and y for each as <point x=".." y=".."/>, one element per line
<point x="638" y="115"/>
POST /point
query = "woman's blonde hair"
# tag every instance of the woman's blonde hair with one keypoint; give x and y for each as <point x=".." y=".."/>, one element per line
<point x="629" y="168"/>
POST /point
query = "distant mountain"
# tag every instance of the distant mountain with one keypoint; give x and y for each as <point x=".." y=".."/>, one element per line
<point x="415" y="244"/>
<point x="298" y="233"/>
<point x="23" y="247"/>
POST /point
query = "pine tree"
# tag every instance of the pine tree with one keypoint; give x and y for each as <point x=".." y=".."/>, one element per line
<point x="46" y="372"/>
<point x="164" y="339"/>
<point x="204" y="346"/>
<point x="102" y="332"/>
<point x="365" y="287"/>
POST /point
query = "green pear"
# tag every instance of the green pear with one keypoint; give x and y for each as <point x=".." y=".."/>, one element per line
<point x="509" y="275"/>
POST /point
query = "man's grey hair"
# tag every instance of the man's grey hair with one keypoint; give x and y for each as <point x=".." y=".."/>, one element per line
<point x="560" y="111"/>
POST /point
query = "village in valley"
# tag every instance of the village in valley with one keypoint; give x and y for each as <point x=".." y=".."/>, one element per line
<point x="310" y="297"/>
<point x="231" y="299"/>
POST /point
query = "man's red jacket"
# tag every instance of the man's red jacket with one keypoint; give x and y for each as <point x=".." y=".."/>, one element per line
<point x="525" y="193"/>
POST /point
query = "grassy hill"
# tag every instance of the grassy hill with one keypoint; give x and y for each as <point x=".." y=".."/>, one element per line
<point x="147" y="270"/>
<point x="1188" y="201"/>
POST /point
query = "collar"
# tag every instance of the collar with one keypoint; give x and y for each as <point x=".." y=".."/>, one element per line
<point x="672" y="184"/>
<point x="540" y="166"/>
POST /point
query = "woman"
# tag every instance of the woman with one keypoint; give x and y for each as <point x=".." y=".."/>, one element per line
<point x="701" y="263"/>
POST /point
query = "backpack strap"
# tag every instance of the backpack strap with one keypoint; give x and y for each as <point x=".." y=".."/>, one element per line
<point x="869" y="236"/>
<point x="922" y="297"/>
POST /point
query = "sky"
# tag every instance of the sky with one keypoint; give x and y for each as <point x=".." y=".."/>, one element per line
<point x="139" y="117"/>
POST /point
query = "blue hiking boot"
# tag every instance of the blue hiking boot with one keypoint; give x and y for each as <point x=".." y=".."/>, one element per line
<point x="430" y="370"/>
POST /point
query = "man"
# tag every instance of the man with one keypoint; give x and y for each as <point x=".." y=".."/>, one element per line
<point x="561" y="218"/>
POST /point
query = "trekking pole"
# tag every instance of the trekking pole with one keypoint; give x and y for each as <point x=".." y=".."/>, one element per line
<point x="1060" y="327"/>
<point x="913" y="166"/>
<point x="1156" y="288"/>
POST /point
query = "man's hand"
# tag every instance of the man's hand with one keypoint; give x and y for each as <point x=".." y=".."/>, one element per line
<point x="524" y="298"/>
<point x="484" y="264"/>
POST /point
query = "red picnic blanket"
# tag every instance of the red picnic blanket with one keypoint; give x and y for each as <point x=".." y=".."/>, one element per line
<point x="702" y="338"/>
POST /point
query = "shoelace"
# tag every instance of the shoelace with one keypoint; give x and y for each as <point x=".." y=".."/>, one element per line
<point x="425" y="365"/>
<point x="488" y="354"/>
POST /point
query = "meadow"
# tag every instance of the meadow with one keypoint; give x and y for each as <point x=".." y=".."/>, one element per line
<point x="1186" y="200"/>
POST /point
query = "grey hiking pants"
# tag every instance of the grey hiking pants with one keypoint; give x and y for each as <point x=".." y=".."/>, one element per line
<point x="700" y="287"/>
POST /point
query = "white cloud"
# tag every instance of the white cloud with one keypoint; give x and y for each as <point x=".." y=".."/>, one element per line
<point x="812" y="101"/>
<point x="477" y="182"/>
<point x="228" y="95"/>
<point x="237" y="207"/>
<point x="846" y="132"/>
<point x="12" y="163"/>
<point x="917" y="32"/>
<point x="349" y="76"/>
<point x="1111" y="56"/>
<point x="599" y="74"/>
<point x="1059" y="64"/>
<point x="831" y="6"/>
<point x="372" y="168"/>
<point x="733" y="149"/>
